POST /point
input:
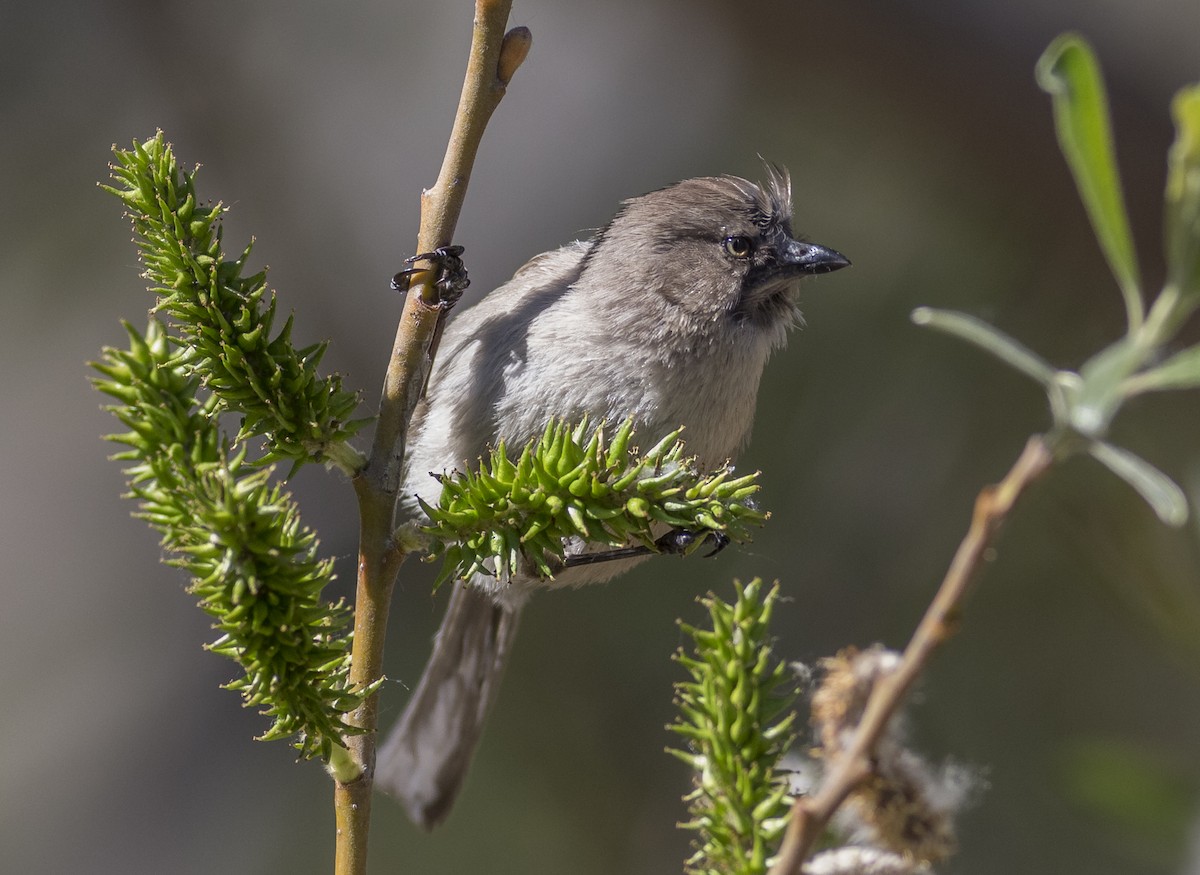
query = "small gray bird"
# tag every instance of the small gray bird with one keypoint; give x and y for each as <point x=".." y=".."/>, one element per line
<point x="667" y="315"/>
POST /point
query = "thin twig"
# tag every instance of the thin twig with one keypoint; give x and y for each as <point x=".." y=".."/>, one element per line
<point x="810" y="814"/>
<point x="493" y="53"/>
<point x="494" y="58"/>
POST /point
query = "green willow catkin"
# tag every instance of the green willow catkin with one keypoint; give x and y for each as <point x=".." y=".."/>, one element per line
<point x="510" y="516"/>
<point x="225" y="319"/>
<point x="737" y="716"/>
<point x="254" y="565"/>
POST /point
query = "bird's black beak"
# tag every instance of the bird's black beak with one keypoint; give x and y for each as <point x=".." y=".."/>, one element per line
<point x="811" y="258"/>
<point x="769" y="290"/>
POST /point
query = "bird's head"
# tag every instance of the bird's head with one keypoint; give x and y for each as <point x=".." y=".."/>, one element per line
<point x="715" y="250"/>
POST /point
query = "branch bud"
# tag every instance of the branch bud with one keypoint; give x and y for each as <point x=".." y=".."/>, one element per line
<point x="513" y="52"/>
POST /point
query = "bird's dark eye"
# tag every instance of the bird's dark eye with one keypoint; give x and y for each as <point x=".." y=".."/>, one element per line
<point x="738" y="246"/>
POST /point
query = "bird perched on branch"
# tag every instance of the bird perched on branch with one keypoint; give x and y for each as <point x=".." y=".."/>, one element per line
<point x="668" y="315"/>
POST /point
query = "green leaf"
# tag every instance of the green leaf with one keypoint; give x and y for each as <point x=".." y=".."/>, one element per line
<point x="1180" y="371"/>
<point x="988" y="338"/>
<point x="1183" y="195"/>
<point x="1158" y="490"/>
<point x="1069" y="73"/>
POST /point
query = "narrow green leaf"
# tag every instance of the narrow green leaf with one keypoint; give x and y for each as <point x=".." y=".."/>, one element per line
<point x="989" y="338"/>
<point x="1069" y="73"/>
<point x="1158" y="490"/>
<point x="1183" y="195"/>
<point x="1180" y="371"/>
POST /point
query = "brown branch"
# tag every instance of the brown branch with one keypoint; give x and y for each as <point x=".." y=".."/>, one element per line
<point x="494" y="58"/>
<point x="810" y="814"/>
<point x="493" y="54"/>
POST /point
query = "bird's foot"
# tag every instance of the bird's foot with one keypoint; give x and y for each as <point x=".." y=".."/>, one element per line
<point x="677" y="542"/>
<point x="450" y="274"/>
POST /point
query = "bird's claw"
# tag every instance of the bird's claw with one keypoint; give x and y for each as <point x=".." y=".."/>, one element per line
<point x="451" y="274"/>
<point x="677" y="542"/>
<point x="720" y="541"/>
<point x="680" y="541"/>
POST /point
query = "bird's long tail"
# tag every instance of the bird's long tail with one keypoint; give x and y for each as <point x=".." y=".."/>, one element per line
<point x="425" y="758"/>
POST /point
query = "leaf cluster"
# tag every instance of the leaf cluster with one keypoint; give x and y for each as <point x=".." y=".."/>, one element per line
<point x="225" y="319"/>
<point x="573" y="483"/>
<point x="1084" y="402"/>
<point x="254" y="566"/>
<point x="737" y="715"/>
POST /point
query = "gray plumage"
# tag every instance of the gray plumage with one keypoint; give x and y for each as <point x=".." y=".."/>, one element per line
<point x="668" y="315"/>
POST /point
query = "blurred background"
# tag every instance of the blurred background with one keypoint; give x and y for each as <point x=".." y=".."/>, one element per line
<point x="918" y="144"/>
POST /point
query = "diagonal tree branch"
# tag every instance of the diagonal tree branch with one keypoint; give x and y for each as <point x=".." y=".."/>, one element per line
<point x="811" y="814"/>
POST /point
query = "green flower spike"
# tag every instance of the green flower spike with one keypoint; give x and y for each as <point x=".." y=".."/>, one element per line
<point x="570" y="483"/>
<point x="254" y="566"/>
<point x="737" y="715"/>
<point x="225" y="319"/>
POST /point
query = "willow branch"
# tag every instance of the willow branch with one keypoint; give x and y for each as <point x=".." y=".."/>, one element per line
<point x="810" y="814"/>
<point x="493" y="60"/>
